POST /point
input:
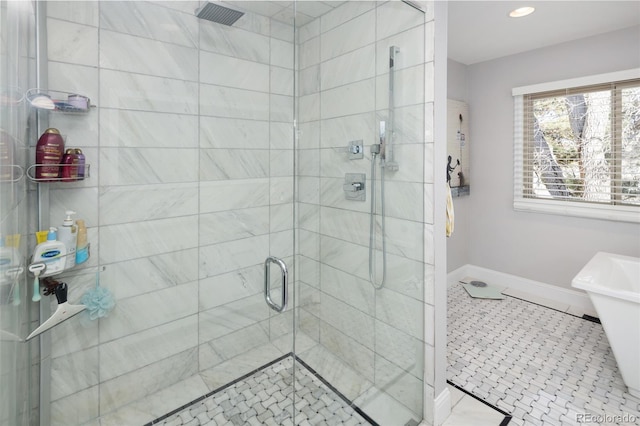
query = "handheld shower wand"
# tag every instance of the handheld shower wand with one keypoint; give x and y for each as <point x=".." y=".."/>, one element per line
<point x="377" y="150"/>
<point x="383" y="149"/>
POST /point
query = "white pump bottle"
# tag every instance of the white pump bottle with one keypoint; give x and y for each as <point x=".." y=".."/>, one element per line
<point x="68" y="234"/>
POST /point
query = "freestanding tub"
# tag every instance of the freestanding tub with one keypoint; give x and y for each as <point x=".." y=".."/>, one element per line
<point x="613" y="284"/>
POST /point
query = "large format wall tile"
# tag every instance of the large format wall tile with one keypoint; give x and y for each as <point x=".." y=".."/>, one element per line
<point x="150" y="310"/>
<point x="156" y="377"/>
<point x="151" y="238"/>
<point x="357" y="356"/>
<point x="76" y="409"/>
<point x="351" y="290"/>
<point x="226" y="319"/>
<point x="226" y="288"/>
<point x="161" y="201"/>
<point x="234" y="42"/>
<point x="348" y="68"/>
<point x="151" y="274"/>
<point x="230" y="102"/>
<point x="233" y="133"/>
<point x="228" y="164"/>
<point x="400" y="349"/>
<point x="228" y="71"/>
<point x="124" y="52"/>
<point x="353" y="322"/>
<point x="147" y="93"/>
<point x="230" y="256"/>
<point x="72" y="43"/>
<point x="361" y="95"/>
<point x="401" y="312"/>
<point x="74" y="372"/>
<point x="135" y="166"/>
<point x="230" y="225"/>
<point x="138" y="350"/>
<point x="233" y="194"/>
<point x="144" y="129"/>
<point x="150" y="21"/>
<point x="345" y="13"/>
<point x="80" y="12"/>
<point x="356" y="33"/>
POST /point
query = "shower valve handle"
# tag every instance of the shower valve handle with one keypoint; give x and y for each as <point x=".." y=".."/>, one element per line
<point x="353" y="187"/>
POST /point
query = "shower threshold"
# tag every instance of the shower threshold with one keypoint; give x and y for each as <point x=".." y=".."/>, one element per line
<point x="265" y="397"/>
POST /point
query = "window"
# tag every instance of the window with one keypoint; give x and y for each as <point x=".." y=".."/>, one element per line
<point x="577" y="149"/>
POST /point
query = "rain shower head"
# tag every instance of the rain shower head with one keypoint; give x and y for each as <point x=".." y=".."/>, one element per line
<point x="220" y="14"/>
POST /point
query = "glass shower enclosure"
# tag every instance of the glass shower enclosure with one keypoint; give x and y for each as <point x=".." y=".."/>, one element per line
<point x="258" y="203"/>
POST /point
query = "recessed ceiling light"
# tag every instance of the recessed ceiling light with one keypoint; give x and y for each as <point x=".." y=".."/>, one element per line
<point x="521" y="11"/>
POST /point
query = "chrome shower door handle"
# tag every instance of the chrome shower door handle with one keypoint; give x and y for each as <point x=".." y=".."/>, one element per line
<point x="267" y="283"/>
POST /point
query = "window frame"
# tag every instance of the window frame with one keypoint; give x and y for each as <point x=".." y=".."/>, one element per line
<point x="621" y="213"/>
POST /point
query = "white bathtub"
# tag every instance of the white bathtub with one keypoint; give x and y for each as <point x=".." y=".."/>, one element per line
<point x="613" y="284"/>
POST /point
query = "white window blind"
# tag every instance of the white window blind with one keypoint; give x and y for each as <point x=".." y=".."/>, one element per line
<point x="577" y="150"/>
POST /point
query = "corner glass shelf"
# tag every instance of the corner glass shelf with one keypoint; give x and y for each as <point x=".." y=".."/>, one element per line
<point x="58" y="101"/>
<point x="31" y="173"/>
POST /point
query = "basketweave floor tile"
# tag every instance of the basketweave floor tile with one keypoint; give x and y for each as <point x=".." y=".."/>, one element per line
<point x="266" y="398"/>
<point x="553" y="368"/>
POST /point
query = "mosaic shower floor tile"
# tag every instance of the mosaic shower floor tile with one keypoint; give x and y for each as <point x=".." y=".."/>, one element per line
<point x="265" y="397"/>
<point x="542" y="366"/>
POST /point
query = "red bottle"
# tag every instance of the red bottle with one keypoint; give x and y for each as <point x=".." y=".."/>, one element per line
<point x="69" y="165"/>
<point x="48" y="155"/>
<point x="81" y="164"/>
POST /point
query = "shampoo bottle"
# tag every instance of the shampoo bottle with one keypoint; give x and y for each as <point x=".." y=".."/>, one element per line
<point x="82" y="248"/>
<point x="68" y="235"/>
<point x="69" y="165"/>
<point x="52" y="253"/>
<point x="81" y="163"/>
<point x="49" y="152"/>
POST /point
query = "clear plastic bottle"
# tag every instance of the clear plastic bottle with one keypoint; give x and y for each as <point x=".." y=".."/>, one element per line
<point x="82" y="247"/>
<point x="68" y="235"/>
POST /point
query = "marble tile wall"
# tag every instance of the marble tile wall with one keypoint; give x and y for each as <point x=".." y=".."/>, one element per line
<point x="344" y="77"/>
<point x="191" y="188"/>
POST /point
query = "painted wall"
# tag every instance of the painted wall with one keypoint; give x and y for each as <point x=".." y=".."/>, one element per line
<point x="541" y="247"/>
<point x="458" y="242"/>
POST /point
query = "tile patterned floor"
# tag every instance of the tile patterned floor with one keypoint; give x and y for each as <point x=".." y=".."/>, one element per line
<point x="542" y="366"/>
<point x="265" y="398"/>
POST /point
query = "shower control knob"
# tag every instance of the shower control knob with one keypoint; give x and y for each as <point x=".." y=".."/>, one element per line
<point x="355" y="150"/>
<point x="353" y="186"/>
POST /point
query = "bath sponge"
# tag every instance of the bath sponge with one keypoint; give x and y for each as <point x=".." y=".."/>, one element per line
<point x="98" y="300"/>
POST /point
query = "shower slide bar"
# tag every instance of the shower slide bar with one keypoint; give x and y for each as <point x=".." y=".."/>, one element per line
<point x="267" y="283"/>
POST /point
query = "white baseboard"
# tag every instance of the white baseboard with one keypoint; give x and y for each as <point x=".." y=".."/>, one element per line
<point x="564" y="299"/>
<point x="442" y="407"/>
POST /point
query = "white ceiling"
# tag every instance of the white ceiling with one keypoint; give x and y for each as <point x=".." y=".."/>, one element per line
<point x="482" y="30"/>
<point x="283" y="10"/>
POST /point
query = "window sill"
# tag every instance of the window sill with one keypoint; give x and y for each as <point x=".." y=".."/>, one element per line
<point x="567" y="208"/>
